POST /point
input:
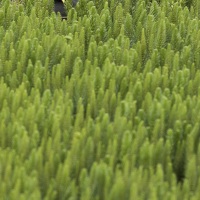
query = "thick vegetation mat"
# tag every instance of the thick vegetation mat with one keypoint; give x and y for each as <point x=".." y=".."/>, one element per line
<point x="102" y="106"/>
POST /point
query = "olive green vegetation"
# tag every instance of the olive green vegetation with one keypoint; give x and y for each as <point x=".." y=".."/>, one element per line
<point x="103" y="106"/>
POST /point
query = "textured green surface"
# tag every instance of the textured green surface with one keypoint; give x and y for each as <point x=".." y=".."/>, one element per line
<point x="103" y="106"/>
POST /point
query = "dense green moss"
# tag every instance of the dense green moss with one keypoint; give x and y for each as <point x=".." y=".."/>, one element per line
<point x="102" y="106"/>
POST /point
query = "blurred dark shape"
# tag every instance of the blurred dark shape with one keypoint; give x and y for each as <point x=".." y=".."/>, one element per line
<point x="74" y="2"/>
<point x="59" y="7"/>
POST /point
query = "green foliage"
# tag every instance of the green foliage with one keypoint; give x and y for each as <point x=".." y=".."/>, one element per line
<point x="102" y="106"/>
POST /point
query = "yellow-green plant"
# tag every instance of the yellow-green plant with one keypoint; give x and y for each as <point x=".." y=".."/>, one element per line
<point x="104" y="105"/>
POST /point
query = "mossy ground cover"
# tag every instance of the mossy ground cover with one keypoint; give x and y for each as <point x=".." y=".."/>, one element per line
<point x="102" y="106"/>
